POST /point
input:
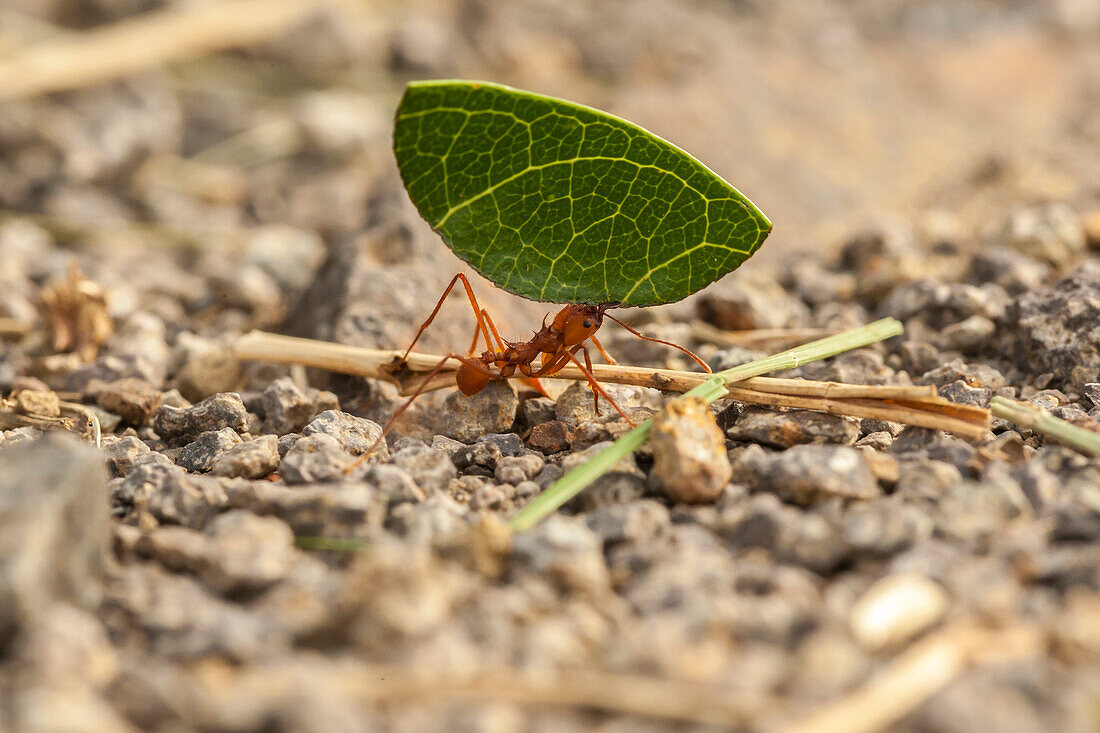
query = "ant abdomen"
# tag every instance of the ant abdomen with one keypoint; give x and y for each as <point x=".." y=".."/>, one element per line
<point x="471" y="380"/>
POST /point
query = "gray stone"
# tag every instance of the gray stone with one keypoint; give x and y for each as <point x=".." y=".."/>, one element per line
<point x="318" y="510"/>
<point x="177" y="498"/>
<point x="54" y="528"/>
<point x="437" y="519"/>
<point x="286" y="408"/>
<point x="492" y="410"/>
<point x="884" y="528"/>
<point x="783" y="429"/>
<point x="751" y="302"/>
<point x="974" y="374"/>
<point x="134" y="400"/>
<point x="624" y="482"/>
<point x="393" y="483"/>
<point x="1091" y="392"/>
<point x="1051" y="233"/>
<point x="492" y="497"/>
<point x="203" y="367"/>
<point x="807" y="474"/>
<point x="356" y="435"/>
<point x="926" y="480"/>
<point x="180" y="549"/>
<point x="510" y="444"/>
<point x="67" y="647"/>
<point x="248" y="553"/>
<point x="432" y="470"/>
<point x="575" y="405"/>
<point x="879" y="441"/>
<point x="962" y="393"/>
<point x="969" y="336"/>
<point x="219" y="411"/>
<point x="637" y="521"/>
<point x="183" y="621"/>
<point x="315" y="458"/>
<point x="251" y="459"/>
<point x="815" y="543"/>
<point x="1058" y="328"/>
<point x="515" y="469"/>
<point x="445" y="444"/>
<point x="199" y="454"/>
<point x="477" y="456"/>
<point x="1014" y="272"/>
<point x="122" y="452"/>
<point x="939" y="305"/>
<point x="536" y="411"/>
<point x="565" y="551"/>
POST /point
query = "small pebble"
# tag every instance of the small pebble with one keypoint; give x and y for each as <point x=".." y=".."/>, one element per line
<point x="536" y="411"/>
<point x="313" y="459"/>
<point x="783" y="429"/>
<point x="122" y="452"/>
<point x="689" y="453"/>
<point x="251" y="459"/>
<point x="431" y="469"/>
<point x="286" y="408"/>
<point x="356" y="435"/>
<point x="895" y="609"/>
<point x="248" y="553"/>
<point x="492" y="410"/>
<point x="806" y="474"/>
<point x="199" y="454"/>
<point x="39" y="404"/>
<point x="219" y="411"/>
<point x="134" y="400"/>
<point x="550" y="437"/>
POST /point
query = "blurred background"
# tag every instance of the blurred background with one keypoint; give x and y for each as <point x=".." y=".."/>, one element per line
<point x="260" y="128"/>
<point x="827" y="113"/>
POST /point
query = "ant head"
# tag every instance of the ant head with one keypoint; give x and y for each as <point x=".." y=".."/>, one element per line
<point x="580" y="322"/>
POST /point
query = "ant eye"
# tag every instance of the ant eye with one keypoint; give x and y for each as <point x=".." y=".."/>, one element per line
<point x="587" y="324"/>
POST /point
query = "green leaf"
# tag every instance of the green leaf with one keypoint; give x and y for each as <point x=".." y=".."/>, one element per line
<point x="560" y="202"/>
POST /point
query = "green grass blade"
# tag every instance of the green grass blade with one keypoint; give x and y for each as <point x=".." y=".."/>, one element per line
<point x="1041" y="421"/>
<point x="330" y="544"/>
<point x="714" y="388"/>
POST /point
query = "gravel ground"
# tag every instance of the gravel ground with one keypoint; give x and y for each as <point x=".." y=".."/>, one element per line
<point x="177" y="578"/>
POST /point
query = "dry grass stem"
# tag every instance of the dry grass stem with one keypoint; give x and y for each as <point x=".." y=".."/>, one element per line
<point x="976" y="428"/>
<point x="909" y="405"/>
<point x="650" y="697"/>
<point x="917" y="674"/>
<point x="770" y="338"/>
<point x="147" y="41"/>
<point x="14" y="327"/>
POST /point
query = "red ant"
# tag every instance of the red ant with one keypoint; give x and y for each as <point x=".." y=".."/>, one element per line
<point x="557" y="344"/>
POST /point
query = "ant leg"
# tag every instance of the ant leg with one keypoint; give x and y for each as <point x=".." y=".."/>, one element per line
<point x="473" y="344"/>
<point x="603" y="352"/>
<point x="596" y="386"/>
<point x="501" y="343"/>
<point x="698" y="361"/>
<point x="595" y="394"/>
<point x="408" y="403"/>
<point x="438" y="305"/>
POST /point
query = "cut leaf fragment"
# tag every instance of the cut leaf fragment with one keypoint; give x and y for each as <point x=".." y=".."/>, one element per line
<point x="559" y="202"/>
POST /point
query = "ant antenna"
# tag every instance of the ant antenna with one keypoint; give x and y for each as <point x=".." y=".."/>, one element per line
<point x="642" y="336"/>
